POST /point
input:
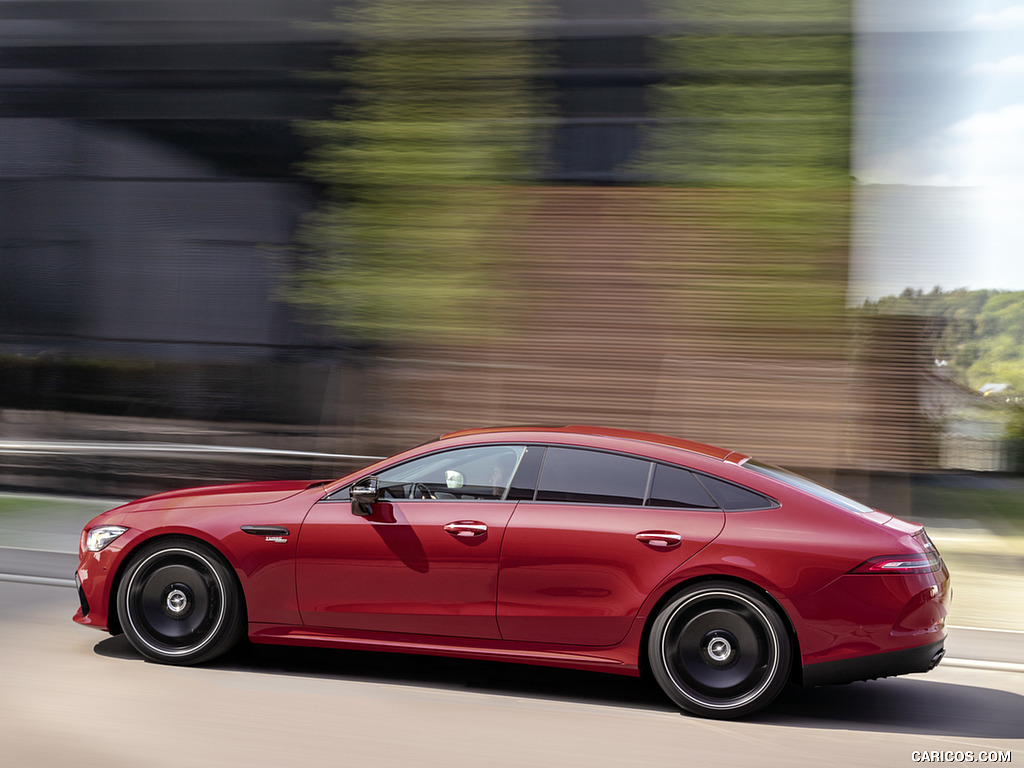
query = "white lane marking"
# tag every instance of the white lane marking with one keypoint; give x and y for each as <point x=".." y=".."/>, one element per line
<point x="987" y="629"/>
<point x="33" y="549"/>
<point x="45" y="581"/>
<point x="995" y="666"/>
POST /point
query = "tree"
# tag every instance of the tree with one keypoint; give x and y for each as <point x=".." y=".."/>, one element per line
<point x="755" y="108"/>
<point x="981" y="333"/>
<point x="439" y="119"/>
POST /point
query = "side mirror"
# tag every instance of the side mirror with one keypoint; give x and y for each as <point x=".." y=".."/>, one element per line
<point x="364" y="494"/>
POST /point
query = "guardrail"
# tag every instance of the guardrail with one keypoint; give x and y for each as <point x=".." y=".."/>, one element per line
<point x="135" y="468"/>
<point x="119" y="448"/>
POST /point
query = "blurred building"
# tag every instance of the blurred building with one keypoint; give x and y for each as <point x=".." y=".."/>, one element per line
<point x="678" y="263"/>
<point x="146" y="175"/>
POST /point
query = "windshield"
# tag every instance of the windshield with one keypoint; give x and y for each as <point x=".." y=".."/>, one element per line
<point x="811" y="487"/>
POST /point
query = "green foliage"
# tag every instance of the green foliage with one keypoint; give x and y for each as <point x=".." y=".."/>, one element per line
<point x="979" y="333"/>
<point x="998" y="509"/>
<point x="757" y="101"/>
<point x="758" y="96"/>
<point x="757" y="10"/>
<point x="438" y="119"/>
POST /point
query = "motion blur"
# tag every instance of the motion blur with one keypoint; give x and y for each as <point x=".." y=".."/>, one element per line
<point x="319" y="230"/>
<point x="279" y="239"/>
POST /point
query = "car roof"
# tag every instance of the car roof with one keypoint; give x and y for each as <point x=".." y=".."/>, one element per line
<point x="540" y="434"/>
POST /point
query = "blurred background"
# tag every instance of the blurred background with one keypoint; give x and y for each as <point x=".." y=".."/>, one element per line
<point x="271" y="238"/>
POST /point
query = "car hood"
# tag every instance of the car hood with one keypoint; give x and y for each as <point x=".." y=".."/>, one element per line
<point x="238" y="494"/>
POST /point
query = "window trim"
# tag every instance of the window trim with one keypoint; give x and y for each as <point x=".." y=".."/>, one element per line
<point x="341" y="494"/>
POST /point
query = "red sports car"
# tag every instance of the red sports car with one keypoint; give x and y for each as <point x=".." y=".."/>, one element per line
<point x="596" y="549"/>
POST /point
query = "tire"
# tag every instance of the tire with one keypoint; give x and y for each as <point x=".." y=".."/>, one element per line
<point x="178" y="603"/>
<point x="719" y="650"/>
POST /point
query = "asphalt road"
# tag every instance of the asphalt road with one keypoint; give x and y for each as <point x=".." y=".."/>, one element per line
<point x="70" y="695"/>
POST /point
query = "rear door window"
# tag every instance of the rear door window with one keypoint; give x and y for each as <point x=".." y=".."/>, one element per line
<point x="677" y="487"/>
<point x="591" y="477"/>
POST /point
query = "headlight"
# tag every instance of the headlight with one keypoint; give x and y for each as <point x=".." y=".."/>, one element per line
<point x="100" y="537"/>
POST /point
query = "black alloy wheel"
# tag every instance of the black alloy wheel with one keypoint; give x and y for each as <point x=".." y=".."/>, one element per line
<point x="178" y="603"/>
<point x="720" y="650"/>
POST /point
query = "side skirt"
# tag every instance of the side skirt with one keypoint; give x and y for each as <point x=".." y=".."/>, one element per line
<point x="615" y="659"/>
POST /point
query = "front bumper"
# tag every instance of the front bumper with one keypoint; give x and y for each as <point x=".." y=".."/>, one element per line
<point x="93" y="596"/>
<point x="83" y="610"/>
<point x="95" y="580"/>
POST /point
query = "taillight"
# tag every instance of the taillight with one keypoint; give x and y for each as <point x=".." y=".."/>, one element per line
<point x="925" y="562"/>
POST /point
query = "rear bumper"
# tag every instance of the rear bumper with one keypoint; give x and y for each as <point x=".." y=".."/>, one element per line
<point x="902" y="662"/>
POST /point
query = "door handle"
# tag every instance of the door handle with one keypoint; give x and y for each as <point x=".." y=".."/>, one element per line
<point x="466" y="528"/>
<point x="661" y="539"/>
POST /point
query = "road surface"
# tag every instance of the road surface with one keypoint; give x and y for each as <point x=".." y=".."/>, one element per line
<point x="72" y="696"/>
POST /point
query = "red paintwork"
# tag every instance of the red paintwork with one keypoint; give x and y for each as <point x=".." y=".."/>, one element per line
<point x="266" y="570"/>
<point x="576" y="575"/>
<point x="553" y="584"/>
<point x="403" y="576"/>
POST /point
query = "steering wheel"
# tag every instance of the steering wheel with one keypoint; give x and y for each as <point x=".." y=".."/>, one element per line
<point x="421" y="491"/>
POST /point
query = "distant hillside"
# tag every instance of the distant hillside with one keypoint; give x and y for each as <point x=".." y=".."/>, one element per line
<point x="980" y="337"/>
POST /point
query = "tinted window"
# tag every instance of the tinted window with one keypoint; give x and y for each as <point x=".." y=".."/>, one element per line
<point x="591" y="477"/>
<point x="734" y="498"/>
<point x="524" y="485"/>
<point x="677" y="487"/>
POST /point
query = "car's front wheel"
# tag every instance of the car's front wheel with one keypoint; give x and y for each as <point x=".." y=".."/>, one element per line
<point x="720" y="650"/>
<point x="178" y="603"/>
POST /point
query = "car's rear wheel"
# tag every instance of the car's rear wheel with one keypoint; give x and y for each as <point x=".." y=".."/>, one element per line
<point x="720" y="650"/>
<point x="178" y="603"/>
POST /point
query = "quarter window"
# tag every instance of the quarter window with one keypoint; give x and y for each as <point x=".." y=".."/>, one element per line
<point x="733" y="498"/>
